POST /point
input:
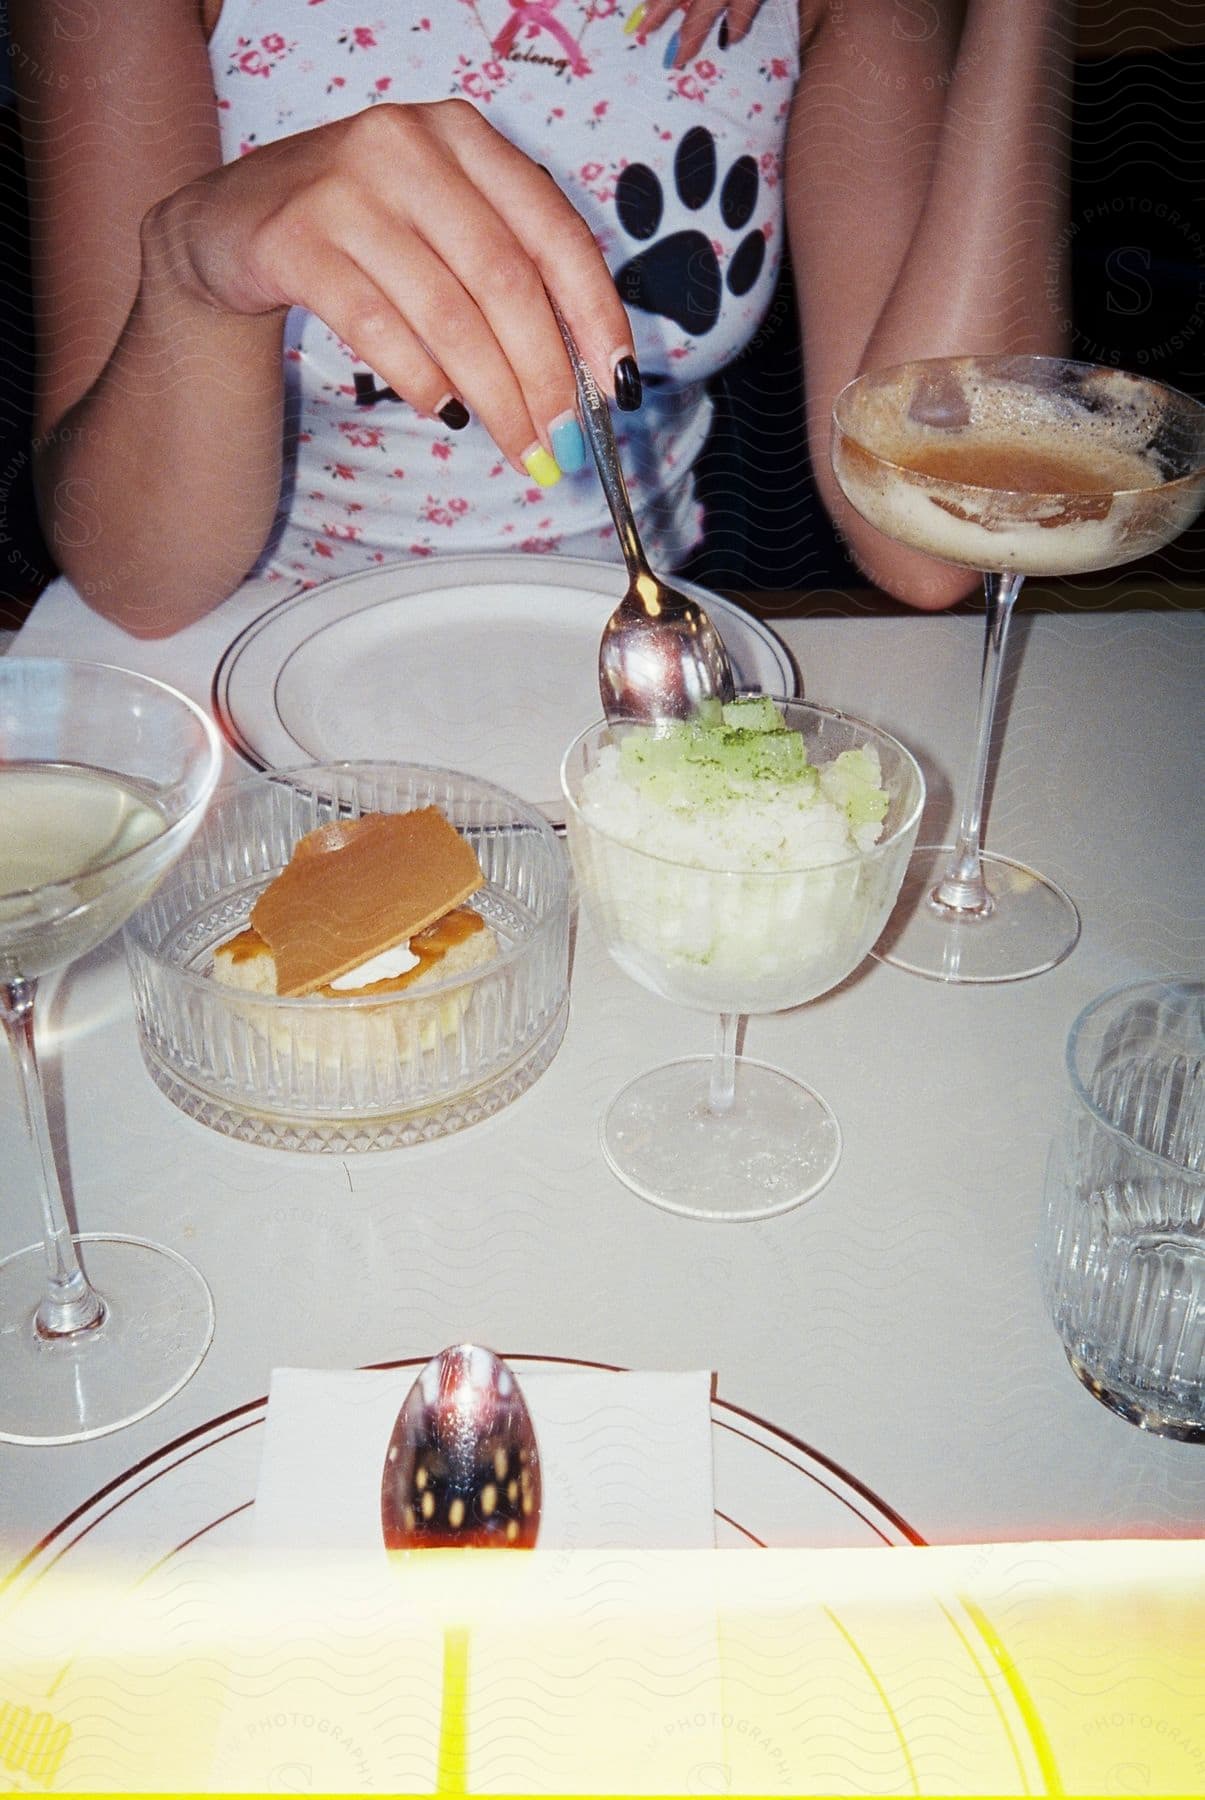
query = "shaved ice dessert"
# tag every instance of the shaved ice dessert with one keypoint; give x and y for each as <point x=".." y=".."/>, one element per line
<point x="734" y="863"/>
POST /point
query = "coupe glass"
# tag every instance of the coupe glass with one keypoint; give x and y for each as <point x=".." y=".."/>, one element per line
<point x="1013" y="465"/>
<point x="726" y="1137"/>
<point x="104" y="776"/>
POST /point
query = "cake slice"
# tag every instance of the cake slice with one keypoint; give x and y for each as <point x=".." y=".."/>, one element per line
<point x="366" y="908"/>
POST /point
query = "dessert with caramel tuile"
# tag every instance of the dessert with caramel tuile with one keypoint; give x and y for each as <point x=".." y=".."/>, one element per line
<point x="368" y="907"/>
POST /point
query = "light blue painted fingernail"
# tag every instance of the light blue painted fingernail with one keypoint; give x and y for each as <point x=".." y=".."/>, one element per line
<point x="671" y="50"/>
<point x="568" y="444"/>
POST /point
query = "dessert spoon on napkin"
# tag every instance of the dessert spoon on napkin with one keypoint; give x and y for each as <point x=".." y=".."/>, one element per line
<point x="462" y="1470"/>
<point x="660" y="655"/>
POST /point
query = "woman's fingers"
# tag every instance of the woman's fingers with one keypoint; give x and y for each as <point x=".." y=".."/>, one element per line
<point x="474" y="296"/>
<point x="741" y="14"/>
<point x="469" y="340"/>
<point x="695" y="20"/>
<point x="431" y="245"/>
<point x="554" y="241"/>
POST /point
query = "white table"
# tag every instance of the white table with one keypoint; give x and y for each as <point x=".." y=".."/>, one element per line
<point x="894" y="1322"/>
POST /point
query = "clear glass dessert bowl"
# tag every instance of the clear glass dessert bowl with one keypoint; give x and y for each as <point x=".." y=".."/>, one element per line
<point x="755" y="915"/>
<point x="361" y="1071"/>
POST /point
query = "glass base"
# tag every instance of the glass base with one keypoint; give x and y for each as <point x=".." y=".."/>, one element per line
<point x="777" y="1147"/>
<point x="157" y="1328"/>
<point x="1147" y="1416"/>
<point x="1030" y="927"/>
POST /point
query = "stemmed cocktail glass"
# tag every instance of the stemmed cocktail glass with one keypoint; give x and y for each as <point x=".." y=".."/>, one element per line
<point x="1013" y="465"/>
<point x="727" y="1137"/>
<point x="104" y="776"/>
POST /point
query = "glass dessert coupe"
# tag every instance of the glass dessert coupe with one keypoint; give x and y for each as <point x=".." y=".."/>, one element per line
<point x="104" y="776"/>
<point x="1013" y="466"/>
<point x="726" y="1137"/>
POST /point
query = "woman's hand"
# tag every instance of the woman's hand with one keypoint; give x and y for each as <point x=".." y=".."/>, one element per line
<point x="431" y="246"/>
<point x="698" y="17"/>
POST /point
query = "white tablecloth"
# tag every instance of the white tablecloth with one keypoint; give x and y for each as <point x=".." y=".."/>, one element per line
<point x="895" y="1321"/>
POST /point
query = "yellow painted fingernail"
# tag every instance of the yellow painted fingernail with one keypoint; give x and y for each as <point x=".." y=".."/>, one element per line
<point x="541" y="467"/>
<point x="634" y="20"/>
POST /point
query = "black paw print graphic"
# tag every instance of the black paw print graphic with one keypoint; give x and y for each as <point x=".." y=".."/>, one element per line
<point x="679" y="275"/>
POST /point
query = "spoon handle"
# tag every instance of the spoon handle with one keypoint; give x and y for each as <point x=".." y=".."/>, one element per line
<point x="596" y="418"/>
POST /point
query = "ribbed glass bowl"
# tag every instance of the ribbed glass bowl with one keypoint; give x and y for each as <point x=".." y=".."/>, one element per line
<point x="354" y="1073"/>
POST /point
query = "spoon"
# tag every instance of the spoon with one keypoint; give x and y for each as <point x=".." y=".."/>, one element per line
<point x="660" y="655"/>
<point x="462" y="1468"/>
<point x="462" y="1471"/>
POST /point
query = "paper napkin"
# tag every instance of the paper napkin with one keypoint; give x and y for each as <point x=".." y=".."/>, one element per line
<point x="625" y="1458"/>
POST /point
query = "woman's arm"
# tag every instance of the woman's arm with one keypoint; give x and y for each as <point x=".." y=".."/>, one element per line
<point x="158" y="418"/>
<point x="163" y="278"/>
<point x="926" y="185"/>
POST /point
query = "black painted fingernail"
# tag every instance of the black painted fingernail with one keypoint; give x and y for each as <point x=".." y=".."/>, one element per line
<point x="454" y="415"/>
<point x="629" y="389"/>
<point x="723" y="33"/>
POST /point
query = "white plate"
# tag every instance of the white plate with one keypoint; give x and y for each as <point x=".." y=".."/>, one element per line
<point x="483" y="664"/>
<point x="770" y="1490"/>
<point x="172" y="1519"/>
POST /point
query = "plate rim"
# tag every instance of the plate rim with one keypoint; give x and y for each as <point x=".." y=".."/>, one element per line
<point x="35" y="1563"/>
<point x="507" y="568"/>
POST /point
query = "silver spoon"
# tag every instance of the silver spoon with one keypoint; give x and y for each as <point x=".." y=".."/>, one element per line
<point x="660" y="655"/>
<point x="462" y="1467"/>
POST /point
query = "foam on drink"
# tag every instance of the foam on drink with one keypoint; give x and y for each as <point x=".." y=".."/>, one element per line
<point x="1001" y="474"/>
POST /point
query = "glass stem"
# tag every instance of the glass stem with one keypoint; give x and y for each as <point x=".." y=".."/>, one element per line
<point x="69" y="1304"/>
<point x="721" y="1090"/>
<point x="962" y="888"/>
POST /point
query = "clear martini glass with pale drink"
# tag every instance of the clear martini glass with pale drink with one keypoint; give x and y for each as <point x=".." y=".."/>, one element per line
<point x="1012" y="466"/>
<point x="104" y="776"/>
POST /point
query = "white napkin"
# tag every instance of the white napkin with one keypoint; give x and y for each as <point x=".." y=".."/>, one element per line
<point x="625" y="1458"/>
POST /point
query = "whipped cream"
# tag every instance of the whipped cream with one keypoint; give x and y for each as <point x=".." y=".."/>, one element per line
<point x="382" y="967"/>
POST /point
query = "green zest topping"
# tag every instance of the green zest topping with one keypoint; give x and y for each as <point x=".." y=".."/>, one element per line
<point x="744" y="748"/>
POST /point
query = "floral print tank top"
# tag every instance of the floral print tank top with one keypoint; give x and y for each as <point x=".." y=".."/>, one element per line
<point x="678" y="174"/>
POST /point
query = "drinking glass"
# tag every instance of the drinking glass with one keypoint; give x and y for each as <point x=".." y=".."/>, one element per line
<point x="1123" y="1239"/>
<point x="104" y="776"/>
<point x="727" y="1137"/>
<point x="1013" y="466"/>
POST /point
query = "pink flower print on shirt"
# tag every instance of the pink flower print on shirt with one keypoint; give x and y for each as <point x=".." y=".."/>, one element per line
<point x="478" y="83"/>
<point x="259" y="58"/>
<point x="360" y="37"/>
<point x="441" y="450"/>
<point x="444" y="513"/>
<point x="363" y="437"/>
<point x="540" y="546"/>
<point x="777" y="69"/>
<point x="534" y="17"/>
<point x="688" y="85"/>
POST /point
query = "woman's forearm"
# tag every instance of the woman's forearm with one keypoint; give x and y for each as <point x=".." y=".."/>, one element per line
<point x="985" y="270"/>
<point x="180" y="430"/>
<point x="927" y="191"/>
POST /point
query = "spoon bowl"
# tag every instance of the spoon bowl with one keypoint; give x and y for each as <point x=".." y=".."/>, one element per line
<point x="462" y="1470"/>
<point x="660" y="655"/>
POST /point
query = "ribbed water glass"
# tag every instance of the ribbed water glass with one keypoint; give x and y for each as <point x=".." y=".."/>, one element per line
<point x="1123" y="1246"/>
